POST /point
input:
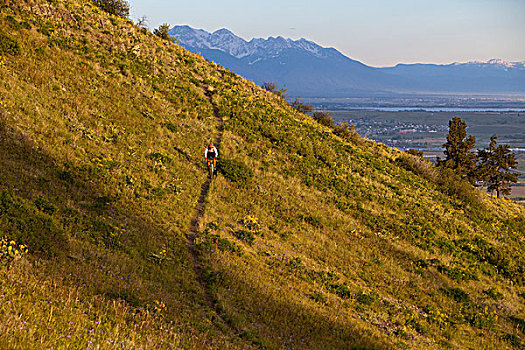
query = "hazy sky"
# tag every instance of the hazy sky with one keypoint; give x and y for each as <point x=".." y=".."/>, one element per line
<point x="375" y="32"/>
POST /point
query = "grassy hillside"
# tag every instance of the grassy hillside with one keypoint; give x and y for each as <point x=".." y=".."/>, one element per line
<point x="305" y="240"/>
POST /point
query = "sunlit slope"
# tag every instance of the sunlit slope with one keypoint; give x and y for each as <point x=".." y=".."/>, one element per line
<point x="330" y="243"/>
<point x="351" y="243"/>
<point x="102" y="130"/>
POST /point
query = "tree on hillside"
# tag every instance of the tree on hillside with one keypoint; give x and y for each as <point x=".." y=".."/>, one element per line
<point x="302" y="107"/>
<point x="324" y="118"/>
<point x="272" y="87"/>
<point x="342" y="130"/>
<point x="346" y="132"/>
<point x="494" y="167"/>
<point x="142" y="22"/>
<point x="115" y="7"/>
<point x="163" y="31"/>
<point x="458" y="150"/>
<point x="415" y="152"/>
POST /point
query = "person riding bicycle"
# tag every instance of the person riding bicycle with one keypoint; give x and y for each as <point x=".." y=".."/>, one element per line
<point x="211" y="155"/>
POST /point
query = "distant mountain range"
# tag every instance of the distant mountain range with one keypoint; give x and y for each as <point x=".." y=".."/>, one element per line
<point x="308" y="70"/>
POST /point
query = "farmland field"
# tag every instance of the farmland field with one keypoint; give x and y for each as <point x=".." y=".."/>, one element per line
<point x="426" y="130"/>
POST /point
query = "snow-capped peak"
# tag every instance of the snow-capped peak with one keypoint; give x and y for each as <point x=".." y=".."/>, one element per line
<point x="226" y="41"/>
<point x="505" y="64"/>
<point x="495" y="62"/>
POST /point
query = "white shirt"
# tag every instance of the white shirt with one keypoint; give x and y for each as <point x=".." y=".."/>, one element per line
<point x="213" y="150"/>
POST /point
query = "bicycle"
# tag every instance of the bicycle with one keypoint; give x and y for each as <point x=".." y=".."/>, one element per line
<point x="211" y="168"/>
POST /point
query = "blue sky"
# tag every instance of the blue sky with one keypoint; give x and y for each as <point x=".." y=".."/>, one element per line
<point x="376" y="32"/>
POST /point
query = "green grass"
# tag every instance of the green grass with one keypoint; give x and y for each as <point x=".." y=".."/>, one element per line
<point x="306" y="240"/>
<point x="377" y="221"/>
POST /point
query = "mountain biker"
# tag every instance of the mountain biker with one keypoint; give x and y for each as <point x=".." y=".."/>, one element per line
<point x="211" y="155"/>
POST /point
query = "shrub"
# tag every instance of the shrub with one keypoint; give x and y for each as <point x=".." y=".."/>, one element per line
<point x="115" y="7"/>
<point x="418" y="166"/>
<point x="342" y="131"/>
<point x="245" y="235"/>
<point x="415" y="152"/>
<point x="212" y="277"/>
<point x="225" y="245"/>
<point x="43" y="204"/>
<point x="493" y="293"/>
<point x="366" y="299"/>
<point x="302" y="107"/>
<point x="435" y="315"/>
<point x="163" y="31"/>
<point x="457" y="273"/>
<point x="273" y="88"/>
<point x="452" y="185"/>
<point x="402" y="333"/>
<point x="312" y="220"/>
<point x="347" y="133"/>
<point x="13" y="23"/>
<point x="324" y="118"/>
<point x="235" y="170"/>
<point x="126" y="295"/>
<point x="65" y="176"/>
<point x="446" y="180"/>
<point x="512" y="339"/>
<point x="318" y="297"/>
<point x="296" y="266"/>
<point x="508" y="264"/>
<point x="8" y="45"/>
<point x="46" y="29"/>
<point x="171" y="127"/>
<point x="520" y="323"/>
<point x="101" y="203"/>
<point x="341" y="289"/>
<point x="106" y="234"/>
<point x="21" y="221"/>
<point x="159" y="157"/>
<point x="480" y="317"/>
<point x="457" y="294"/>
<point x="208" y="241"/>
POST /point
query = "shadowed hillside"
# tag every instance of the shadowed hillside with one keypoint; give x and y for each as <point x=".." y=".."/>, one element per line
<point x="304" y="240"/>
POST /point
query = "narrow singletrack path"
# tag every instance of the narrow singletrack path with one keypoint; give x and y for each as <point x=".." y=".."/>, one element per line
<point x="193" y="233"/>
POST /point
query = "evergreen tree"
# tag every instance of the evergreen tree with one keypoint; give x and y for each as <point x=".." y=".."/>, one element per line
<point x="494" y="168"/>
<point x="459" y="156"/>
<point x="115" y="7"/>
<point x="163" y="31"/>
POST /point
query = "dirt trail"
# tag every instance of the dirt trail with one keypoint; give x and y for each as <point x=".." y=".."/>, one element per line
<point x="197" y="216"/>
